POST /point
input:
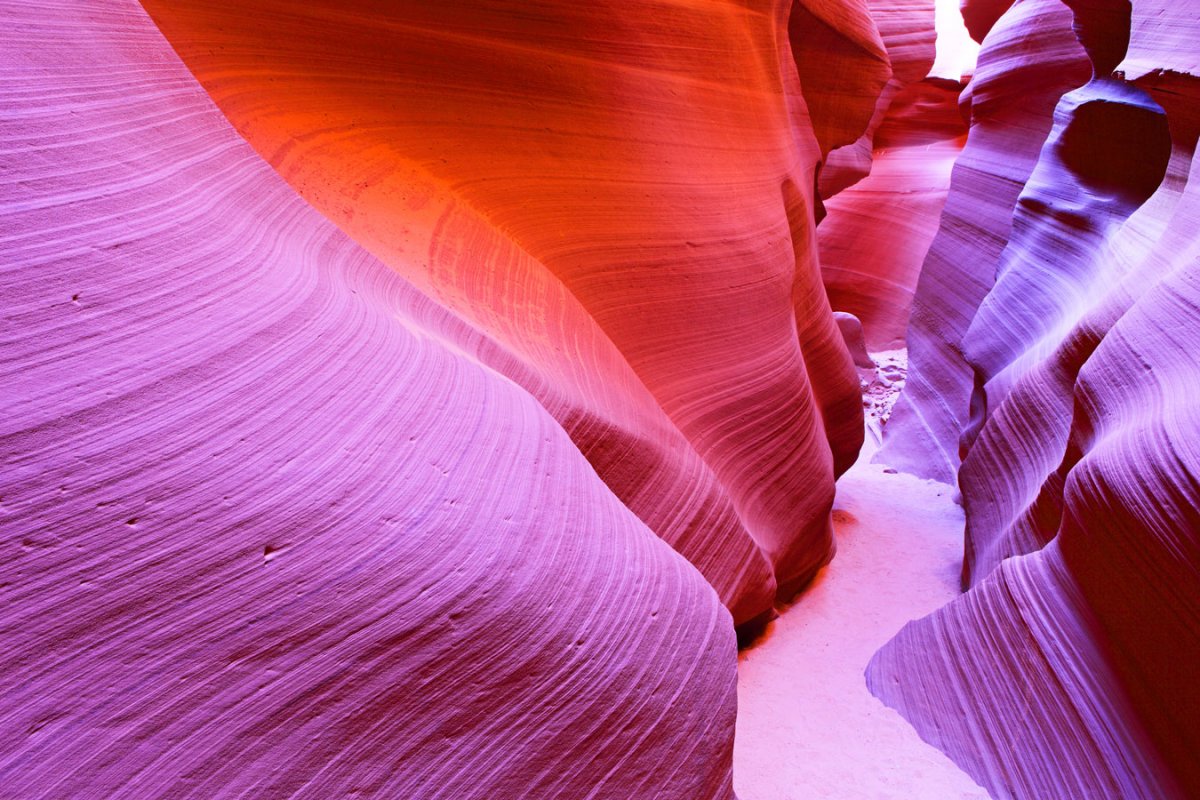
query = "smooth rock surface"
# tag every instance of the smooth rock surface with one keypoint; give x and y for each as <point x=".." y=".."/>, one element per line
<point x="269" y="529"/>
<point x="455" y="483"/>
<point x="981" y="15"/>
<point x="877" y="232"/>
<point x="907" y="32"/>
<point x="1068" y="669"/>
<point x="1028" y="62"/>
<point x="565" y="182"/>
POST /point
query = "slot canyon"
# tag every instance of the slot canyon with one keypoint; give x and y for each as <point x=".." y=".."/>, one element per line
<point x="608" y="400"/>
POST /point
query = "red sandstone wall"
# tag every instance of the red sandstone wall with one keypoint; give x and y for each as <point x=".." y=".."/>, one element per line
<point x="877" y="228"/>
<point x="623" y="196"/>
<point x="906" y="31"/>
<point x="361" y="500"/>
<point x="270" y="527"/>
<point x="877" y="232"/>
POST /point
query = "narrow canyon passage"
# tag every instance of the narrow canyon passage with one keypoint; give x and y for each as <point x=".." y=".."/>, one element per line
<point x="807" y="726"/>
<point x="409" y="400"/>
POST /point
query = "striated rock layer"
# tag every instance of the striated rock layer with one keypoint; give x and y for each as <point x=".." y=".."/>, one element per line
<point x="878" y="231"/>
<point x="878" y="226"/>
<point x="1011" y="102"/>
<point x="271" y="528"/>
<point x="622" y="197"/>
<point x="907" y="33"/>
<point x="1068" y="670"/>
<point x="844" y="64"/>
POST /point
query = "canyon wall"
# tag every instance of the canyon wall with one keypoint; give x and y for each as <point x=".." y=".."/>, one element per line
<point x="409" y="399"/>
<point x="907" y="34"/>
<point x="375" y="498"/>
<point x="623" y="198"/>
<point x="884" y="192"/>
<point x="878" y="231"/>
<point x="1063" y="373"/>
<point x="270" y="527"/>
<point x="1011" y="102"/>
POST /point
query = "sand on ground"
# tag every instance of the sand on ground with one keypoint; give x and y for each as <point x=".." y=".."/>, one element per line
<point x="807" y="727"/>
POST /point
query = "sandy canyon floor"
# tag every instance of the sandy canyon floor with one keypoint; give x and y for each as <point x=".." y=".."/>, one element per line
<point x="807" y="727"/>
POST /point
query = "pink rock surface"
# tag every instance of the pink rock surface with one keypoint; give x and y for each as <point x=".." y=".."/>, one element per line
<point x="843" y="64"/>
<point x="270" y="528"/>
<point x="1068" y="669"/>
<point x="590" y="158"/>
<point x="876" y="234"/>
<point x="1029" y="60"/>
<point x="1046" y="313"/>
<point x="454" y="483"/>
<point x="907" y="32"/>
<point x="852" y="332"/>
<point x="878" y="226"/>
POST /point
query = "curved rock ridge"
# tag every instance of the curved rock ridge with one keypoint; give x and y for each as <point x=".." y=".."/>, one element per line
<point x="847" y="76"/>
<point x="844" y="65"/>
<point x="1068" y="668"/>
<point x="622" y="197"/>
<point x="271" y="528"/>
<point x="883" y="193"/>
<point x="877" y="232"/>
<point x="1028" y="62"/>
<point x="1049" y="309"/>
<point x="907" y="31"/>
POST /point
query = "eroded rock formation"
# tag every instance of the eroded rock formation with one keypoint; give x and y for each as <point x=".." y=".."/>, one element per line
<point x="408" y="399"/>
<point x="1062" y="672"/>
<point x="288" y="518"/>
<point x="270" y="528"/>
<point x="1011" y="100"/>
<point x="877" y="232"/>
<point x="632" y="216"/>
<point x="884" y="192"/>
<point x="906" y="32"/>
<point x="981" y="15"/>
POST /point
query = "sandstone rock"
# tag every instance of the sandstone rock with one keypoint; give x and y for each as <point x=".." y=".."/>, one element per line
<point x="906" y="30"/>
<point x="852" y="333"/>
<point x="270" y="528"/>
<point x="1062" y="672"/>
<point x="982" y="15"/>
<point x="844" y="66"/>
<point x="1030" y="61"/>
<point x="622" y="196"/>
<point x="876" y="233"/>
